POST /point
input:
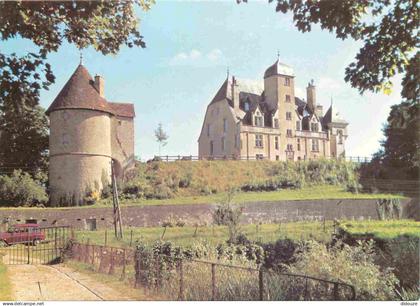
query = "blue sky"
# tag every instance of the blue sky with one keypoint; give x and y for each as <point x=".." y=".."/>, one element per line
<point x="189" y="47"/>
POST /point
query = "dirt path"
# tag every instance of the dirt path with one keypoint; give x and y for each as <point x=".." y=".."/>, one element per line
<point x="58" y="283"/>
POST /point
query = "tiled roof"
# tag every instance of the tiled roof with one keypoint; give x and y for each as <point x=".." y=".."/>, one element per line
<point x="79" y="93"/>
<point x="123" y="109"/>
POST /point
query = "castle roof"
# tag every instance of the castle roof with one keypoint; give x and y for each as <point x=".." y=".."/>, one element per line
<point x="80" y="93"/>
<point x="279" y="68"/>
<point x="333" y="116"/>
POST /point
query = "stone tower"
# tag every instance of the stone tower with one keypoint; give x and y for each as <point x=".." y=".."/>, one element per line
<point x="279" y="90"/>
<point x="87" y="133"/>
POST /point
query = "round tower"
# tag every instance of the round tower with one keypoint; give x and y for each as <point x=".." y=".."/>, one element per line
<point x="80" y="140"/>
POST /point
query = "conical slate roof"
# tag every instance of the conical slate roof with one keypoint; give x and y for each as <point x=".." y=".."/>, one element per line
<point x="333" y="116"/>
<point x="79" y="93"/>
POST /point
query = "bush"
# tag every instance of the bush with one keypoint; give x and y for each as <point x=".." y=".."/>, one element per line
<point x="21" y="189"/>
<point x="350" y="264"/>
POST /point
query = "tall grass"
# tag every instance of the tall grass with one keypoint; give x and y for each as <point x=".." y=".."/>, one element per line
<point x="5" y="288"/>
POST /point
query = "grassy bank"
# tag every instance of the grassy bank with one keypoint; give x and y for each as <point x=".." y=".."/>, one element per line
<point x="186" y="236"/>
<point x="5" y="289"/>
<point x="388" y="229"/>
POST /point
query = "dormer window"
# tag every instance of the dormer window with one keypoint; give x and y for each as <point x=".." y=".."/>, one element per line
<point x="314" y="127"/>
<point x="276" y="123"/>
<point x="258" y="120"/>
<point x="246" y="106"/>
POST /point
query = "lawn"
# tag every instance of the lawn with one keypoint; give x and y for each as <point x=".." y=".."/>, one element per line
<point x="306" y="193"/>
<point x="324" y="192"/>
<point x="213" y="235"/>
<point x="5" y="290"/>
<point x="387" y="229"/>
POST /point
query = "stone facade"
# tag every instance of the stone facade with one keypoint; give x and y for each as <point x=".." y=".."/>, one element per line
<point x="88" y="136"/>
<point x="247" y="121"/>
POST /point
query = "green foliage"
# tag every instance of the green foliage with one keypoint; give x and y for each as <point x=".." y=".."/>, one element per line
<point x="21" y="189"/>
<point x="229" y="215"/>
<point x="389" y="209"/>
<point x="381" y="25"/>
<point x="24" y="139"/>
<point x="158" y="180"/>
<point x="399" y="157"/>
<point x="353" y="265"/>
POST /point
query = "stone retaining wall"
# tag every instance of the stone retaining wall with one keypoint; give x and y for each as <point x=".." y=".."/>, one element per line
<point x="266" y="212"/>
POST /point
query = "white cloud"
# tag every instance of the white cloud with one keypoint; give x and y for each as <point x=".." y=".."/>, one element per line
<point x="215" y="55"/>
<point x="197" y="58"/>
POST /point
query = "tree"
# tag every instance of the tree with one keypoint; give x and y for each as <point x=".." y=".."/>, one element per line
<point x="388" y="29"/>
<point x="399" y="156"/>
<point x="161" y="136"/>
<point x="104" y="25"/>
<point x="24" y="139"/>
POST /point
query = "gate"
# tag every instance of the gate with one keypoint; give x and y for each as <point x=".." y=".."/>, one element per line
<point x="31" y="244"/>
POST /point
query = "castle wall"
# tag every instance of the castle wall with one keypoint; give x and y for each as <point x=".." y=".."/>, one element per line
<point x="80" y="154"/>
<point x="215" y="115"/>
<point x="122" y="142"/>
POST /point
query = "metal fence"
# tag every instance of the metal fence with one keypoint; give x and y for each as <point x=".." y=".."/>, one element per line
<point x="193" y="279"/>
<point x="171" y="158"/>
<point x="34" y="245"/>
<point x="199" y="280"/>
<point x="407" y="187"/>
<point x="105" y="259"/>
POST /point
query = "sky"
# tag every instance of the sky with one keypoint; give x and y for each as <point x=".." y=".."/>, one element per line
<point x="190" y="45"/>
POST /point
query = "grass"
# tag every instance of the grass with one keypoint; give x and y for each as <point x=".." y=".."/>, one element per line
<point x="113" y="281"/>
<point x="324" y="192"/>
<point x="388" y="229"/>
<point x="5" y="289"/>
<point x="213" y="235"/>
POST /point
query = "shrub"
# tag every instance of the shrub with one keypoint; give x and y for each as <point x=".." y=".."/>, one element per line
<point x="280" y="253"/>
<point x="353" y="265"/>
<point x="21" y="189"/>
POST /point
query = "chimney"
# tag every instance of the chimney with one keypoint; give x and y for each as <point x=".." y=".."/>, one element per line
<point x="235" y="94"/>
<point x="311" y="96"/>
<point x="99" y="85"/>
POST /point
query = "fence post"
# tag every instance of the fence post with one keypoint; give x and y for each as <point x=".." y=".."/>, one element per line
<point x="261" y="284"/>
<point x="123" y="269"/>
<point x="86" y="257"/>
<point x="111" y="265"/>
<point x="106" y="237"/>
<point x="213" y="282"/>
<point x="181" y="281"/>
<point x="131" y="237"/>
<point x="93" y="255"/>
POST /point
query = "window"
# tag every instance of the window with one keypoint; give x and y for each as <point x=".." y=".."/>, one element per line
<point x="288" y="98"/>
<point x="223" y="144"/>
<point x="208" y="129"/>
<point x="340" y="137"/>
<point x="287" y="82"/>
<point x="315" y="145"/>
<point x="276" y="123"/>
<point x="298" y="144"/>
<point x="277" y="157"/>
<point x="246" y="106"/>
<point x="288" y="116"/>
<point x="259" y="156"/>
<point x="314" y="127"/>
<point x="236" y="141"/>
<point x="289" y="147"/>
<point x="258" y="121"/>
<point x="225" y="125"/>
<point x="211" y="148"/>
<point x="289" y="133"/>
<point x="276" y="142"/>
<point x="297" y="125"/>
<point x="259" y="140"/>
